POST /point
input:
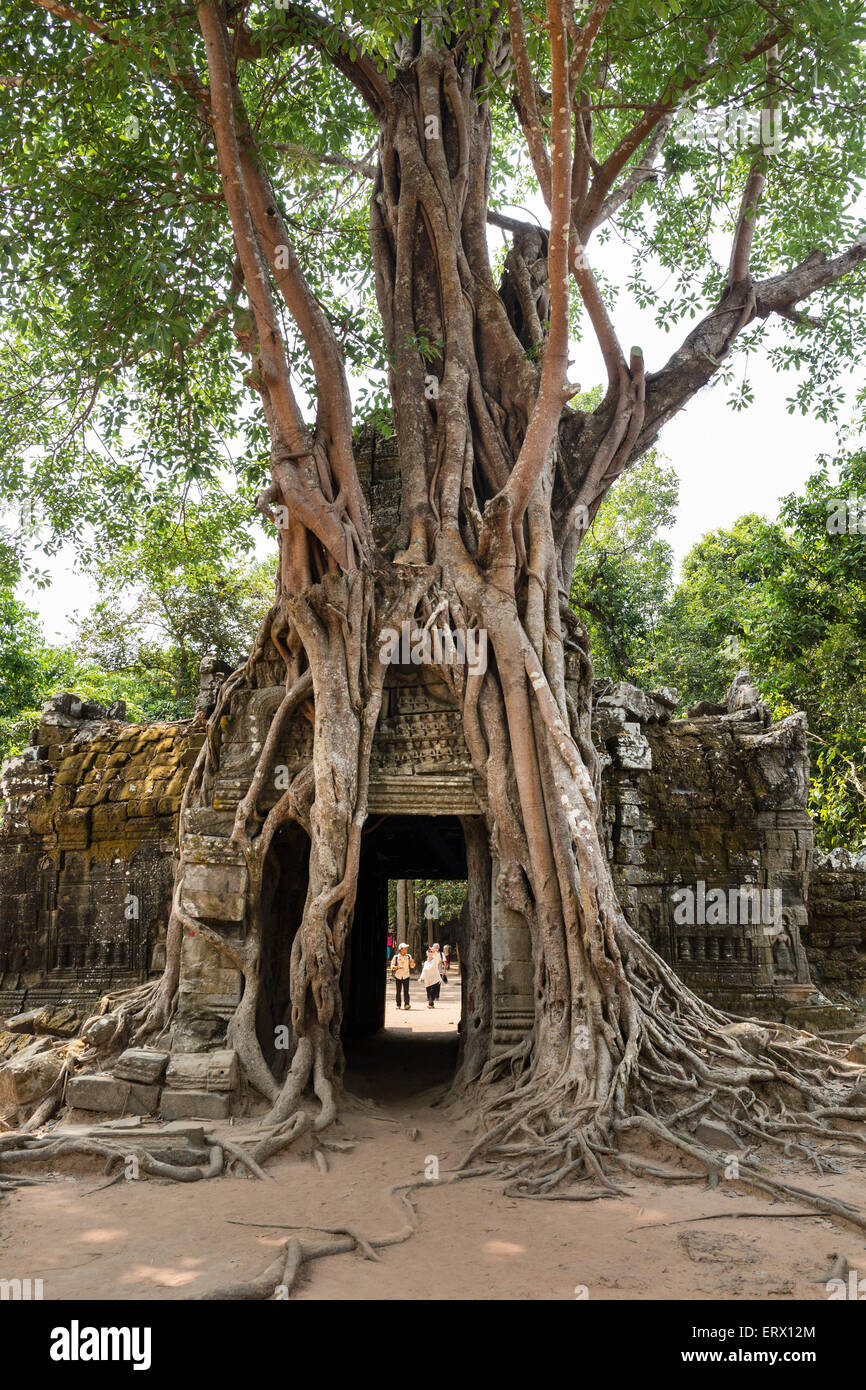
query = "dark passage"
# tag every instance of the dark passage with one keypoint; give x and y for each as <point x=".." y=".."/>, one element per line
<point x="393" y="1062"/>
<point x="386" y="1062"/>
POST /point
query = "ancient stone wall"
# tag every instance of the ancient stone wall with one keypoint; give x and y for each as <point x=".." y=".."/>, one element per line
<point x="835" y="934"/>
<point x="710" y="841"/>
<point x="87" y="852"/>
<point x="713" y="804"/>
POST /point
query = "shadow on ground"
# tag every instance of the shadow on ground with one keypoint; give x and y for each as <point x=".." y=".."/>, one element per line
<point x="415" y="1051"/>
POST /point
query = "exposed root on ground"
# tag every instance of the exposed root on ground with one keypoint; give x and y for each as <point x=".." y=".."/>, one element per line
<point x="281" y="1277"/>
<point x="545" y="1142"/>
<point x="763" y="1082"/>
<point x="184" y="1165"/>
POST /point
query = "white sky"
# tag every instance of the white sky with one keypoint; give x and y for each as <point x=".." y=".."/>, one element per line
<point x="728" y="463"/>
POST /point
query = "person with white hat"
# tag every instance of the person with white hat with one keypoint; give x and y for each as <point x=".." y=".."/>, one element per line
<point x="401" y="965"/>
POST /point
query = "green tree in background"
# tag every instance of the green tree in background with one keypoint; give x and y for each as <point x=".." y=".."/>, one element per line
<point x="700" y="629"/>
<point x="787" y="599"/>
<point x="29" y="669"/>
<point x="449" y="894"/>
<point x="805" y="636"/>
<point x="624" y="568"/>
<point x="173" y="583"/>
<point x="174" y="587"/>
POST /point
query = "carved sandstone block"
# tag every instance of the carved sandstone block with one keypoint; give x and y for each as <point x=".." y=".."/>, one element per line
<point x="106" y="1093"/>
<point x="141" y="1064"/>
<point x="73" y="828"/>
<point x="198" y="1105"/>
<point x="203" y="1071"/>
<point x="215" y="891"/>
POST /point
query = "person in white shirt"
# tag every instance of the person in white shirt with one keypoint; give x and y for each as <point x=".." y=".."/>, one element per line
<point x="431" y="975"/>
<point x="401" y="965"/>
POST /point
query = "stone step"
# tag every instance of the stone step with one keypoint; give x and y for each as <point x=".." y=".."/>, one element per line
<point x="155" y="1139"/>
<point x="106" y="1094"/>
<point x="38" y="998"/>
<point x="60" y="987"/>
<point x="847" y="1035"/>
<point x="11" y="1001"/>
<point x="823" y="1018"/>
<point x="90" y="977"/>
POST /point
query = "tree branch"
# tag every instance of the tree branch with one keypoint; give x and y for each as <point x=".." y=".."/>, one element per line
<point x="702" y="352"/>
<point x="583" y="158"/>
<point x="337" y="161"/>
<point x="525" y="102"/>
<point x="511" y="224"/>
<point x="222" y="311"/>
<point x="602" y="324"/>
<point x="593" y="456"/>
<point x="308" y="502"/>
<point x="334" y="404"/>
<point x="744" y="233"/>
<point x="553" y="390"/>
<point x="643" y="172"/>
<point x="331" y="41"/>
<point x="631" y="143"/>
<point x="187" y="80"/>
<point x="583" y="39"/>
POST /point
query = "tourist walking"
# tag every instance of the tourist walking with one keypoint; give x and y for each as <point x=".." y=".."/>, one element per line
<point x="401" y="966"/>
<point x="431" y="975"/>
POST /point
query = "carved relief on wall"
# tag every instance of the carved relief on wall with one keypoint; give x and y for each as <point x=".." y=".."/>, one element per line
<point x="421" y="728"/>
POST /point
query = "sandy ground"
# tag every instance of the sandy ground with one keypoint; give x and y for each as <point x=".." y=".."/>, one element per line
<point x="154" y="1240"/>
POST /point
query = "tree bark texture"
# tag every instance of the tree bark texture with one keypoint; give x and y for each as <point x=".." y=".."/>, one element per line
<point x="499" y="476"/>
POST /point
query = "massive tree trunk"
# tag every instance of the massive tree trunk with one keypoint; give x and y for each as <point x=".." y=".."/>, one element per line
<point x="472" y="548"/>
<point x="499" y="476"/>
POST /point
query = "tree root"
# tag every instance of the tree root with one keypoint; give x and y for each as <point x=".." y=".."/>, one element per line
<point x="278" y="1281"/>
<point x="25" y="1148"/>
<point x="733" y="1216"/>
<point x="563" y="1136"/>
<point x="50" y="1104"/>
<point x="547" y="1147"/>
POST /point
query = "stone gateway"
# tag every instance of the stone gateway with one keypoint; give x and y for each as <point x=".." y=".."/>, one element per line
<point x="92" y="838"/>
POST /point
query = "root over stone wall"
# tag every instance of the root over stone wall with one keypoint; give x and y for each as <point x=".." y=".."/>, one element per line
<point x="691" y="806"/>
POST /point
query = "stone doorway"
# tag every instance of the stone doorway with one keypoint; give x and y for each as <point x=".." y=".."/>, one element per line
<point x="391" y="1055"/>
<point x="396" y="848"/>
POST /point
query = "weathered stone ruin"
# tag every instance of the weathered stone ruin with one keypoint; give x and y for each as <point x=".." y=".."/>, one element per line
<point x="87" y="853"/>
<point x="713" y="802"/>
<point x="705" y="825"/>
<point x="835" y="932"/>
<point x="716" y="801"/>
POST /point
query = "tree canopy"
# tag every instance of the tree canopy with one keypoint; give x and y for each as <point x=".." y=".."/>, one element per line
<point x="121" y="357"/>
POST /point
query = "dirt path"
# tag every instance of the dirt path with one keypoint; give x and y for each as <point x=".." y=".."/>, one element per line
<point x="150" y="1240"/>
